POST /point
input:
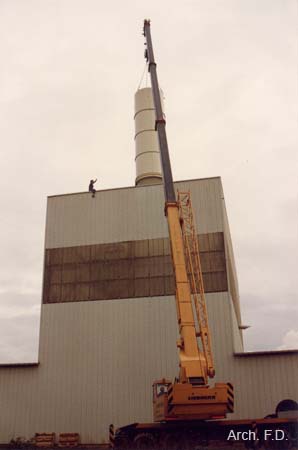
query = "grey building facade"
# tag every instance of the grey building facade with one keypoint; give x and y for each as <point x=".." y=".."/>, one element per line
<point x="108" y="320"/>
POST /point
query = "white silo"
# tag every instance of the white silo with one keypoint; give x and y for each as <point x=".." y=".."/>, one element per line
<point x="148" y="169"/>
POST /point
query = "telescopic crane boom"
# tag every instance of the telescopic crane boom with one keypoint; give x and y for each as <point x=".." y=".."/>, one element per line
<point x="182" y="408"/>
<point x="189" y="397"/>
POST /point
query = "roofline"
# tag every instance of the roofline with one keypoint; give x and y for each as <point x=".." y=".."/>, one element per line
<point x="11" y="365"/>
<point x="132" y="187"/>
<point x="268" y="353"/>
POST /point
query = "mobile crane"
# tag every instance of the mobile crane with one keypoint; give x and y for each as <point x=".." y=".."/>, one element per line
<point x="187" y="412"/>
<point x="189" y="396"/>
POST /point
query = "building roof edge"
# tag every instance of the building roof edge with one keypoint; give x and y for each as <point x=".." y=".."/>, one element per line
<point x="132" y="187"/>
<point x="267" y="353"/>
<point x="12" y="365"/>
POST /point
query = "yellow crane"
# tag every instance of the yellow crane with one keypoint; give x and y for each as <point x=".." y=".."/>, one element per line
<point x="185" y="409"/>
<point x="189" y="397"/>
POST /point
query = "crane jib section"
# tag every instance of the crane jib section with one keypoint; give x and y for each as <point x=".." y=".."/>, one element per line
<point x="194" y="270"/>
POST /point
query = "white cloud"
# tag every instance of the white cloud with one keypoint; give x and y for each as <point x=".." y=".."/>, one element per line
<point x="290" y="340"/>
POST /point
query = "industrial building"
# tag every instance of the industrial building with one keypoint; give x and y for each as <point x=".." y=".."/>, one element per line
<point x="108" y="320"/>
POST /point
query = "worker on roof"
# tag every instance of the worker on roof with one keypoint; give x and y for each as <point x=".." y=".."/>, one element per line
<point x="91" y="187"/>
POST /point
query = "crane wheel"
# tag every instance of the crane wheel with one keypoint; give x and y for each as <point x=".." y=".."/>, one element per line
<point x="182" y="441"/>
<point x="256" y="443"/>
<point x="144" y="441"/>
<point x="285" y="406"/>
<point x="172" y="441"/>
<point x="123" y="444"/>
<point x="285" y="444"/>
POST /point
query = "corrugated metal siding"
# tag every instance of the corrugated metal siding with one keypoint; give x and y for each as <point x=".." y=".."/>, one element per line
<point x="98" y="361"/>
<point x="231" y="266"/>
<point x="261" y="382"/>
<point x="237" y="334"/>
<point x="126" y="214"/>
<point x="97" y="364"/>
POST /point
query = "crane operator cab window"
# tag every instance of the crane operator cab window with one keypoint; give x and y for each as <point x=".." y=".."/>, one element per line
<point x="161" y="389"/>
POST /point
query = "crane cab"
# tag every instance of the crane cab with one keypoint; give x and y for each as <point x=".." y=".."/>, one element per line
<point x="160" y="392"/>
<point x="185" y="401"/>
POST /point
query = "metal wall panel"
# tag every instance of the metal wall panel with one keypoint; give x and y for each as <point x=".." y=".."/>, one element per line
<point x="97" y="364"/>
<point x="112" y="271"/>
<point x="236" y="332"/>
<point x="126" y="214"/>
<point x="231" y="266"/>
<point x="98" y="361"/>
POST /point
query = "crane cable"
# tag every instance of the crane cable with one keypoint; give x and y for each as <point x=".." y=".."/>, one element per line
<point x="143" y="75"/>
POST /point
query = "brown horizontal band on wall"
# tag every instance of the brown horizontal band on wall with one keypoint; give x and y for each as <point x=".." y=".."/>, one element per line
<point x="125" y="270"/>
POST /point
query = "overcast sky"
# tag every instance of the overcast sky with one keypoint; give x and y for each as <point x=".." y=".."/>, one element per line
<point x="228" y="69"/>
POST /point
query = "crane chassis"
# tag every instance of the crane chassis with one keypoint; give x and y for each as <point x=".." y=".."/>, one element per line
<point x="271" y="433"/>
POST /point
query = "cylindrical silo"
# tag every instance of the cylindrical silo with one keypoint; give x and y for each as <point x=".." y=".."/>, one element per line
<point x="148" y="169"/>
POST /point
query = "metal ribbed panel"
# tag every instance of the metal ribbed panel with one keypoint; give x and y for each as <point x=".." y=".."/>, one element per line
<point x="231" y="266"/>
<point x="237" y="335"/>
<point x="126" y="214"/>
<point x="98" y="361"/>
<point x="261" y="382"/>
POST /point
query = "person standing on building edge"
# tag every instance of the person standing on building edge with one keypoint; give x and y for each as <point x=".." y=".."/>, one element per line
<point x="91" y="187"/>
